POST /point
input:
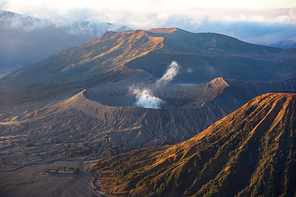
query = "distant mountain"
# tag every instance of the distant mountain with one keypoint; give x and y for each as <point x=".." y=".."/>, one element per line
<point x="250" y="152"/>
<point x="25" y="40"/>
<point x="284" y="44"/>
<point x="204" y="56"/>
<point x="116" y="54"/>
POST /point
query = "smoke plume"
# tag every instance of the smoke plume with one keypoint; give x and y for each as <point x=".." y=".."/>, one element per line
<point x="144" y="96"/>
<point x="146" y="99"/>
<point x="169" y="74"/>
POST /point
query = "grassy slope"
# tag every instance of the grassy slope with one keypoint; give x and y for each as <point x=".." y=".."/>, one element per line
<point x="250" y="152"/>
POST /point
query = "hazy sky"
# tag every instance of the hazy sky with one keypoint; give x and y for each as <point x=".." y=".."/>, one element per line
<point x="251" y="20"/>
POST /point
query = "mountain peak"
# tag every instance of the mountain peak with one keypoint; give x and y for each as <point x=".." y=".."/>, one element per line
<point x="218" y="81"/>
<point x="202" y="57"/>
<point x="250" y="152"/>
<point x="163" y="30"/>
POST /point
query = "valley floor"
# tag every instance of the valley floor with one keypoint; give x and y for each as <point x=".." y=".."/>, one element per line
<point x="28" y="181"/>
<point x="21" y="163"/>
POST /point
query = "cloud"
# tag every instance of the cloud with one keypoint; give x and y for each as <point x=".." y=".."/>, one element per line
<point x="258" y="32"/>
<point x="292" y="15"/>
<point x="94" y="29"/>
<point x="254" y="32"/>
<point x="156" y="11"/>
<point x="260" y="26"/>
<point x="3" y="5"/>
<point x="82" y="26"/>
<point x="18" y="21"/>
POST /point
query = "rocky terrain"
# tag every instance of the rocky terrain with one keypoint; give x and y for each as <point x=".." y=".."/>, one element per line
<point x="78" y="126"/>
<point x="104" y="120"/>
<point x="134" y="89"/>
<point x="250" y="152"/>
<point x="28" y="181"/>
<point x="201" y="56"/>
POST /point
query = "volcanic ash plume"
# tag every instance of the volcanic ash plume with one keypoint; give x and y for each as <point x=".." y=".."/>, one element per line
<point x="170" y="73"/>
<point x="146" y="99"/>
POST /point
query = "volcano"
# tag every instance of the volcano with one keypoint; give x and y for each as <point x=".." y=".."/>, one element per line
<point x="115" y="55"/>
<point x="105" y="120"/>
<point x="249" y="152"/>
<point x="117" y="93"/>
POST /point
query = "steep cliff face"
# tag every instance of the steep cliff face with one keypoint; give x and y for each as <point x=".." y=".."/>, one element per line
<point x="249" y="152"/>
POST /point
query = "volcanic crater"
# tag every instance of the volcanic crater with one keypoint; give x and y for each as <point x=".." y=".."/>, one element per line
<point x="172" y="96"/>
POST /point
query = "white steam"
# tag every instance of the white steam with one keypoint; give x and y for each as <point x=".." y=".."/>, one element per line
<point x="145" y="98"/>
<point x="170" y="73"/>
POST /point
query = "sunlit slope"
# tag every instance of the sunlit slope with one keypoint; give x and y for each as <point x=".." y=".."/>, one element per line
<point x="104" y="120"/>
<point x="202" y="56"/>
<point x="89" y="64"/>
<point x="109" y="51"/>
<point x="250" y="152"/>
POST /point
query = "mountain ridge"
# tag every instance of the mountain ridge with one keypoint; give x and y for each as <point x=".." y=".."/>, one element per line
<point x="202" y="57"/>
<point x="211" y="41"/>
<point x="243" y="154"/>
<point x="105" y="120"/>
<point x="27" y="40"/>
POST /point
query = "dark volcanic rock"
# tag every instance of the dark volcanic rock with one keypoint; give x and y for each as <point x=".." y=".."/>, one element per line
<point x="105" y="119"/>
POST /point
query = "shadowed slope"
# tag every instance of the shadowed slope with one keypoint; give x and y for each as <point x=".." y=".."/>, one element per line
<point x="174" y="96"/>
<point x="210" y="43"/>
<point x="115" y="55"/>
<point x="204" y="56"/>
<point x="105" y="121"/>
<point x="109" y="51"/>
<point x="249" y="152"/>
<point x="239" y="93"/>
<point x="85" y="125"/>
